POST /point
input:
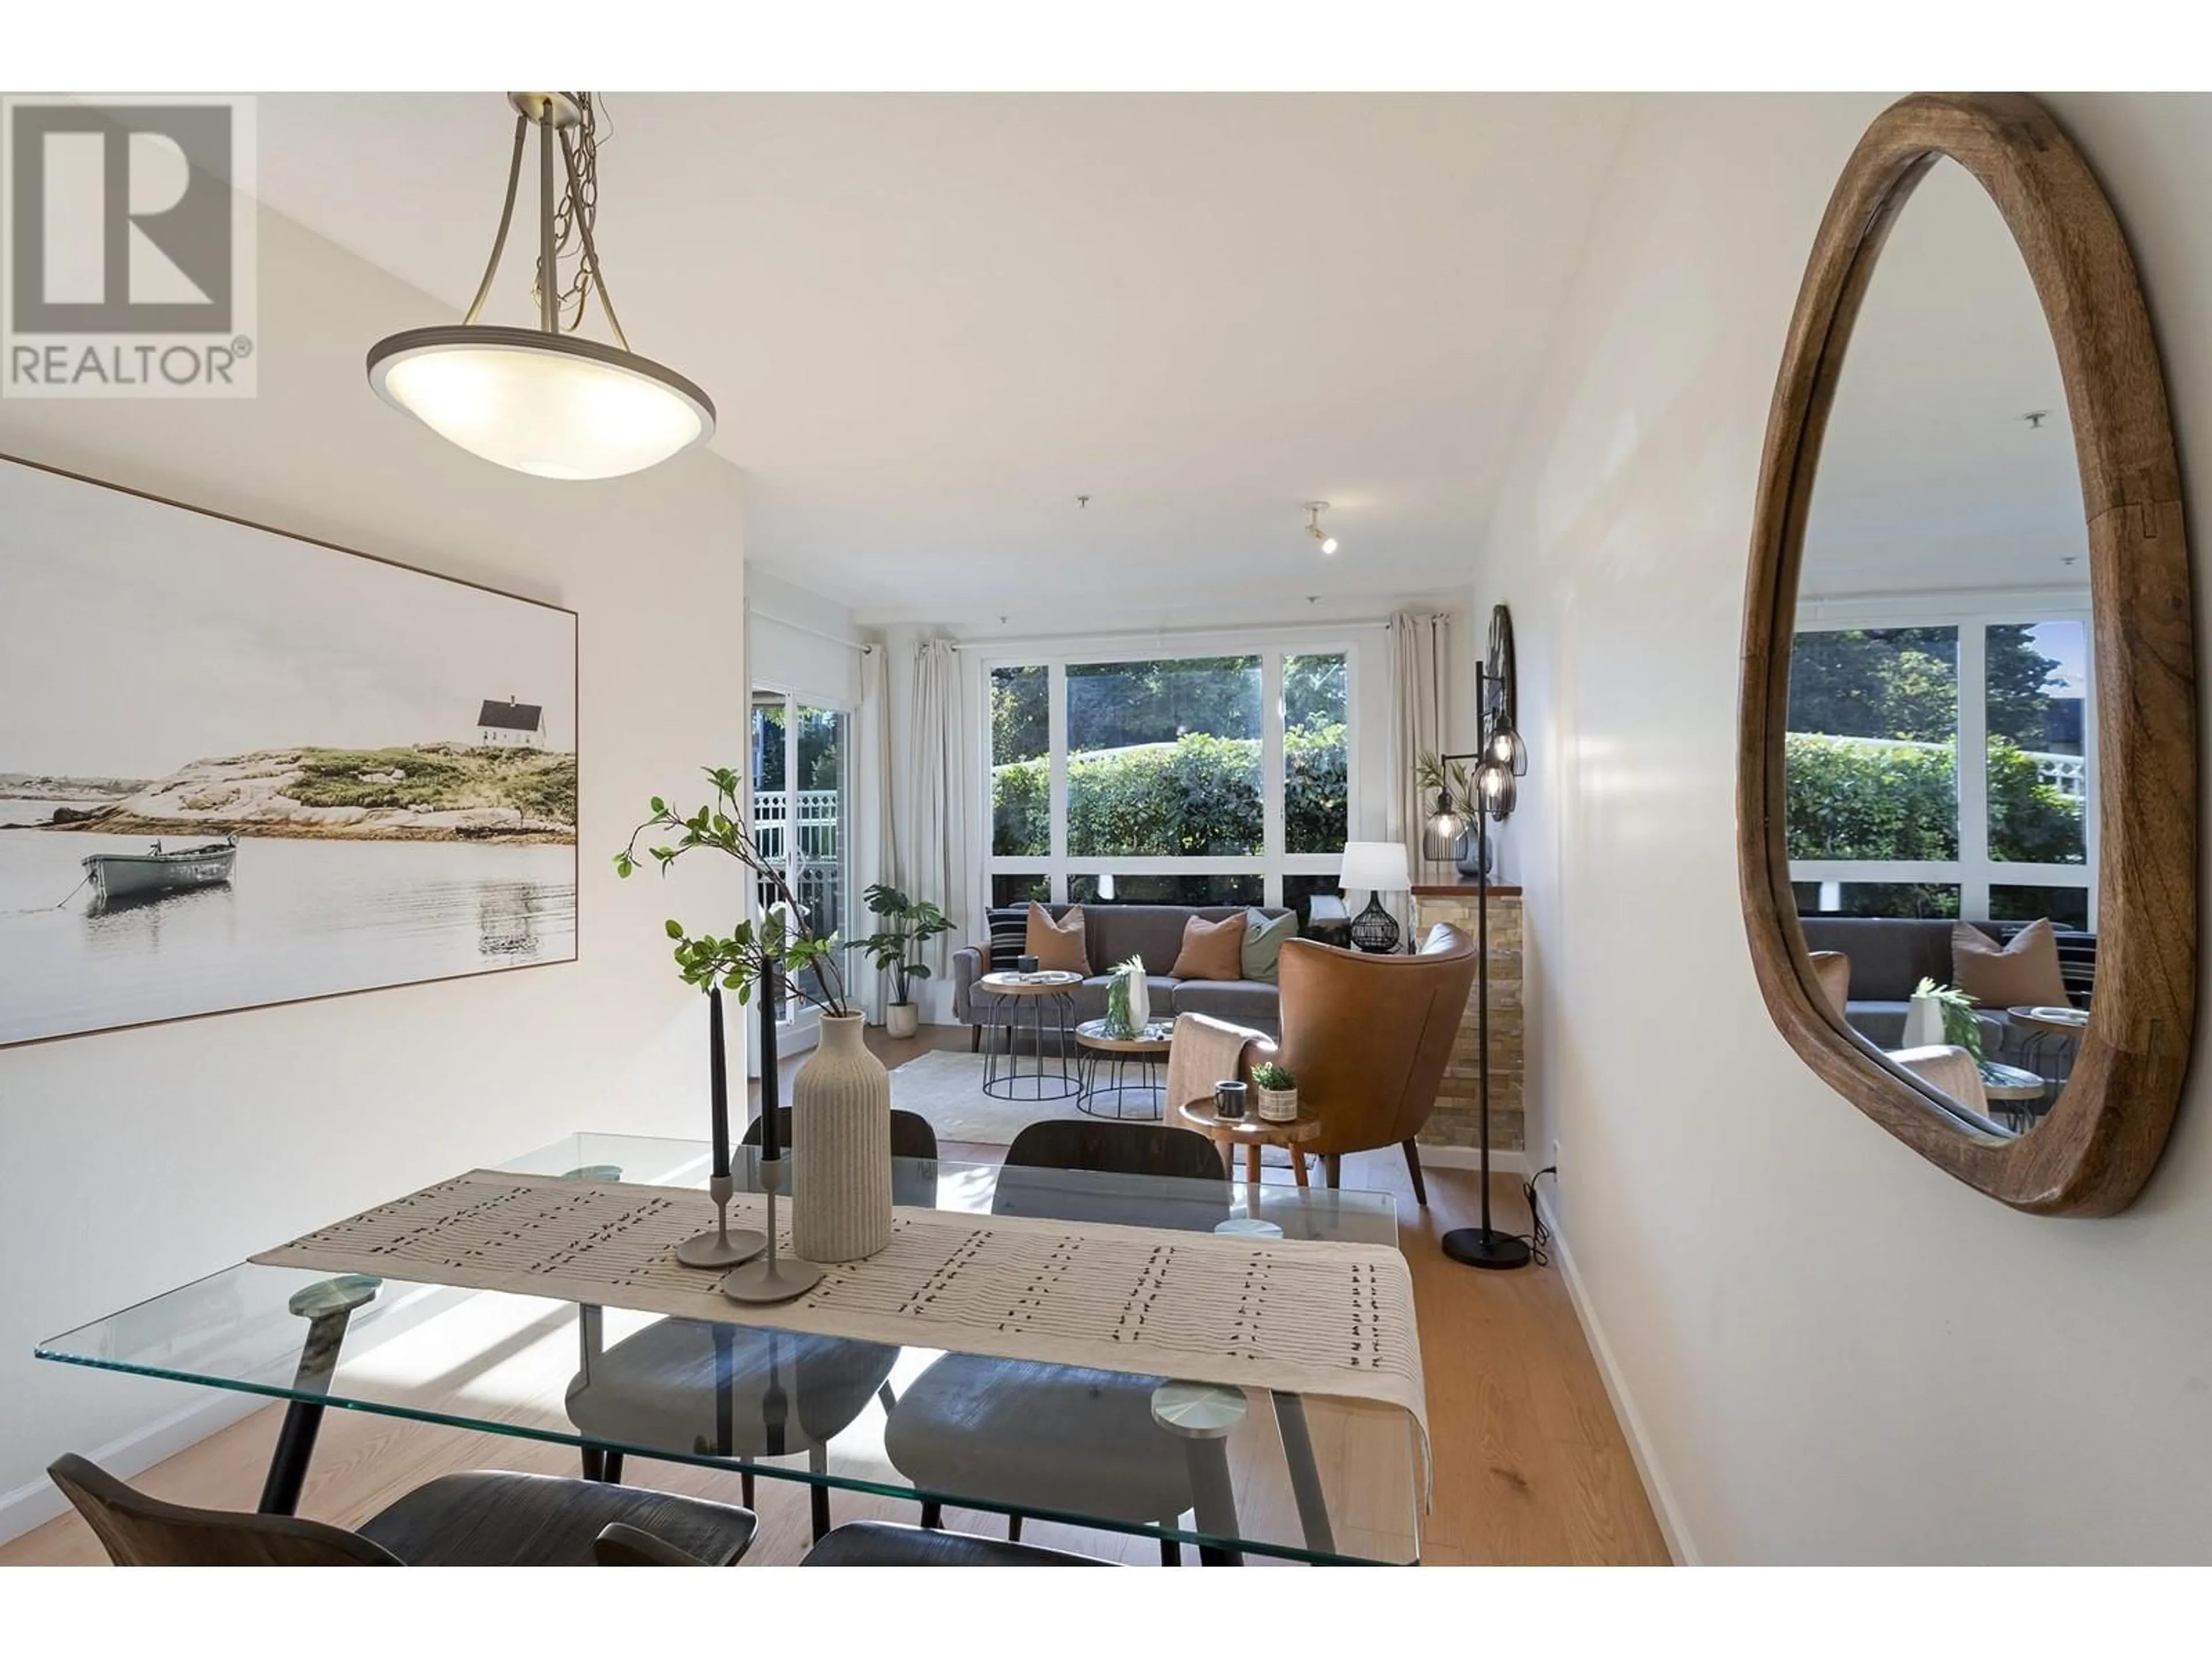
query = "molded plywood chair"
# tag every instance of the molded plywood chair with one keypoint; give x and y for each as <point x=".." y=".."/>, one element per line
<point x="1368" y="1038"/>
<point x="1833" y="970"/>
<point x="1949" y="1068"/>
<point x="485" y="1519"/>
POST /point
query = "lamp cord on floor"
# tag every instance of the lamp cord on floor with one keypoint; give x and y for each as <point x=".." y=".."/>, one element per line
<point x="1540" y="1237"/>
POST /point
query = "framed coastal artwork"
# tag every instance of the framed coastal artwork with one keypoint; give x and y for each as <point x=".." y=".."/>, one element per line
<point x="239" y="768"/>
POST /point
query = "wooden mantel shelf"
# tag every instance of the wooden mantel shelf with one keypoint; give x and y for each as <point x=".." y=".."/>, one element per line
<point x="1464" y="887"/>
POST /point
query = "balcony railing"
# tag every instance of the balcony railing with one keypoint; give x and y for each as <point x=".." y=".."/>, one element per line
<point x="816" y="820"/>
<point x="812" y="817"/>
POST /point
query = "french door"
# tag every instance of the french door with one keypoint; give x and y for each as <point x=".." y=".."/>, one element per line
<point x="801" y="806"/>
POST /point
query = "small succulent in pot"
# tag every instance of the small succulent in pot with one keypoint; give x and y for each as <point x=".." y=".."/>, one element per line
<point x="1277" y="1090"/>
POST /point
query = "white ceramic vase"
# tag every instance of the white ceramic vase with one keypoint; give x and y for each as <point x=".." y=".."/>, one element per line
<point x="902" y="1019"/>
<point x="1923" y="1024"/>
<point x="840" y="1150"/>
<point x="1141" y="1001"/>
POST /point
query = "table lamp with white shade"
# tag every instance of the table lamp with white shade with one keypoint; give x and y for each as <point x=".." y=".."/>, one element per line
<point x="1379" y="867"/>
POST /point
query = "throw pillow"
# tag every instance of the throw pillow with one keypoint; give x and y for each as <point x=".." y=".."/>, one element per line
<point x="1059" y="946"/>
<point x="2022" y="974"/>
<point x="1263" y="943"/>
<point x="1211" y="950"/>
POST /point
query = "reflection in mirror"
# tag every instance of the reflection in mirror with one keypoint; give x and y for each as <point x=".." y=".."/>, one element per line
<point x="1941" y="778"/>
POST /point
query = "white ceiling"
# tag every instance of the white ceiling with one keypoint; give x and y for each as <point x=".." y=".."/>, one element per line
<point x="1929" y="478"/>
<point x="928" y="322"/>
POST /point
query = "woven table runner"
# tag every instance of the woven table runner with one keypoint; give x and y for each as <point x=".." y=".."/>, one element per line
<point x="1301" y="1316"/>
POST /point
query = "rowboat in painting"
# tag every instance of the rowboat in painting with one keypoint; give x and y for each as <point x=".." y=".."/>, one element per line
<point x="119" y="876"/>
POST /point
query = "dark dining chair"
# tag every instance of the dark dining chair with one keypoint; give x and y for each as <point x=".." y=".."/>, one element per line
<point x="739" y="1391"/>
<point x="1035" y="1437"/>
<point x="485" y="1519"/>
<point x="887" y="1544"/>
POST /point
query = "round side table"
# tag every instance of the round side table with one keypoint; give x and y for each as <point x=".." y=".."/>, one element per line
<point x="1252" y="1134"/>
<point x="1098" y="1055"/>
<point x="1042" y="1005"/>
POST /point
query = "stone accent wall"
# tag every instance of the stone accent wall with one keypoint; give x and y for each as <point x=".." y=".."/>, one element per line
<point x="1457" y="1114"/>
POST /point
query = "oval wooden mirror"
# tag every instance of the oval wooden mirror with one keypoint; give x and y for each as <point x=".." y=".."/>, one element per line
<point x="1967" y="808"/>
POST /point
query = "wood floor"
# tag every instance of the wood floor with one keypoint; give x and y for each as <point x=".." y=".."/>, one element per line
<point x="1530" y="1464"/>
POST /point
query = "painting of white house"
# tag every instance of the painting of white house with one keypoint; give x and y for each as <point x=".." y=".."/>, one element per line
<point x="238" y="768"/>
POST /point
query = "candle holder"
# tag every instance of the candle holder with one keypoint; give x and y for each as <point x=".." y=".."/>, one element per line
<point x="722" y="1248"/>
<point x="772" y="1278"/>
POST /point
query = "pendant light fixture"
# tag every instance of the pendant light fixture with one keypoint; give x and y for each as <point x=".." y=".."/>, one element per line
<point x="545" y="400"/>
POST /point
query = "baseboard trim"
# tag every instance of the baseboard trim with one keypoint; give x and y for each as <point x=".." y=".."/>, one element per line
<point x="37" y="1502"/>
<point x="1679" y="1545"/>
<point x="211" y="1411"/>
<point x="1503" y="1160"/>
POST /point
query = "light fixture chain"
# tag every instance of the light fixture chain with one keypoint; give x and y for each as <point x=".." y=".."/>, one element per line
<point x="588" y="272"/>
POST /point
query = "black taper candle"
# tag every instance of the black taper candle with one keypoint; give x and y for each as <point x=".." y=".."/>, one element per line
<point x="771" y="997"/>
<point x="717" y="1076"/>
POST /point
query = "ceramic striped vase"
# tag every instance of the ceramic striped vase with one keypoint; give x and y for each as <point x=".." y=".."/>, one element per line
<point x="841" y="1148"/>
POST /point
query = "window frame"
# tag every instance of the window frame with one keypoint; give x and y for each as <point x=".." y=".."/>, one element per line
<point x="1273" y="862"/>
<point x="1974" y="872"/>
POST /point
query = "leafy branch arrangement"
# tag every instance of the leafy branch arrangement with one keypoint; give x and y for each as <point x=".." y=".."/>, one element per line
<point x="782" y="937"/>
<point x="895" y="948"/>
<point x="1273" y="1077"/>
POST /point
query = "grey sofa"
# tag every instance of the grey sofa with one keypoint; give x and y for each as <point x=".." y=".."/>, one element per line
<point x="1112" y="933"/>
<point x="1890" y="955"/>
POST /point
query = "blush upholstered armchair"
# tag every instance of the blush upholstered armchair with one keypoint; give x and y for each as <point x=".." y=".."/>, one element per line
<point x="1368" y="1038"/>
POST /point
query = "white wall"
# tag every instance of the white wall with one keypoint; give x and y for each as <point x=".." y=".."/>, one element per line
<point x="130" y="1162"/>
<point x="1833" y="1352"/>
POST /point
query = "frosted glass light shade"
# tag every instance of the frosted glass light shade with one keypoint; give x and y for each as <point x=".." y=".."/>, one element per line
<point x="550" y="404"/>
<point x="1376" y="866"/>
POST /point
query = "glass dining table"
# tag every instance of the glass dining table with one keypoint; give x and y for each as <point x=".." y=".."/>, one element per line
<point x="1230" y="1473"/>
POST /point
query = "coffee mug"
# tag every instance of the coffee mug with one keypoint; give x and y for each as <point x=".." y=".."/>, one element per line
<point x="1026" y="964"/>
<point x="1229" y="1101"/>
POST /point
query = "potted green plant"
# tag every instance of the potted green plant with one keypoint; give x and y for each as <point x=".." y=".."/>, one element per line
<point x="1279" y="1093"/>
<point x="896" y="946"/>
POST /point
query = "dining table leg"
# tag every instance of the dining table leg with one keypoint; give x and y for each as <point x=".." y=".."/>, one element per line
<point x="1305" y="1474"/>
<point x="327" y="1307"/>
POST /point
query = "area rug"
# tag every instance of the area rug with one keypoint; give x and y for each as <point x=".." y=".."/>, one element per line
<point x="946" y="1087"/>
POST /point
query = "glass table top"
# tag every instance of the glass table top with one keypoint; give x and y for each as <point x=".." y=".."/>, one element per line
<point x="1312" y="1478"/>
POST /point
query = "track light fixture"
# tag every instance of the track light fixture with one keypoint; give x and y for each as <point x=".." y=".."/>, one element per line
<point x="1314" y="510"/>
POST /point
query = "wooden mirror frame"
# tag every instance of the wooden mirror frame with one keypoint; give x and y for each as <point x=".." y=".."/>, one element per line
<point x="2096" y="1147"/>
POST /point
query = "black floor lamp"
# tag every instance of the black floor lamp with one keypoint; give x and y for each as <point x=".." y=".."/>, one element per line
<point x="1502" y="757"/>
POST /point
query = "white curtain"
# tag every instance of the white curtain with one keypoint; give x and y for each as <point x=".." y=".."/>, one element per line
<point x="872" y="819"/>
<point x="935" y="850"/>
<point x="1421" y="678"/>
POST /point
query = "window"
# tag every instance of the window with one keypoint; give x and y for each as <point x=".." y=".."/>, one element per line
<point x="1171" y="779"/>
<point x="1940" y="769"/>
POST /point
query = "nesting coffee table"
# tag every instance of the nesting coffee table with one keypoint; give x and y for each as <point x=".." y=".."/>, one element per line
<point x="1099" y="1056"/>
<point x="1044" y="1004"/>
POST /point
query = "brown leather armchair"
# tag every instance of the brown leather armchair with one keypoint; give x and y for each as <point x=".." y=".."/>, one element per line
<point x="1367" y="1037"/>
